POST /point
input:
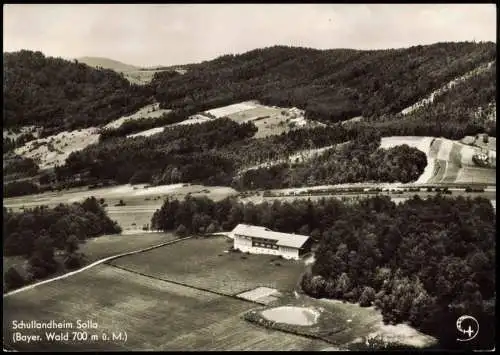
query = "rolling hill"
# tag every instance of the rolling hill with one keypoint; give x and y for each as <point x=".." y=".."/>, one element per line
<point x="330" y="85"/>
<point x="107" y="63"/>
<point x="64" y="95"/>
<point x="327" y="86"/>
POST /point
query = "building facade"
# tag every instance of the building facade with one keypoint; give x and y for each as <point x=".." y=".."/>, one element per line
<point x="261" y="240"/>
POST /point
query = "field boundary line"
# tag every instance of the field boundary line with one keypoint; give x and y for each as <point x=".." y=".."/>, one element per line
<point x="98" y="262"/>
<point x="183" y="284"/>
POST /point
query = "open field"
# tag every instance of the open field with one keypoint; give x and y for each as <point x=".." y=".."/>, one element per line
<point x="155" y="315"/>
<point x="477" y="175"/>
<point x="136" y="195"/>
<point x="140" y="77"/>
<point x="54" y="150"/>
<point x="102" y="247"/>
<point x="147" y="133"/>
<point x="300" y="156"/>
<point x="191" y="120"/>
<point x="268" y="120"/>
<point x="231" y="109"/>
<point x="149" y="111"/>
<point x="448" y="161"/>
<point x="109" y="245"/>
<point x="353" y="120"/>
<point x="140" y="201"/>
<point x="479" y="142"/>
<point x="201" y="262"/>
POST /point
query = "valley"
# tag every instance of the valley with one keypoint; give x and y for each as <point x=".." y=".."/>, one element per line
<point x="124" y="185"/>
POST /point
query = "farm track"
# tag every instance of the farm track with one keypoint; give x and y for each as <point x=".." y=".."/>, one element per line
<point x="109" y="258"/>
<point x="184" y="284"/>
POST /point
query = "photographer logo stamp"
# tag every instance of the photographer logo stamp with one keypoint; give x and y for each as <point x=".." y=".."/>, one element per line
<point x="468" y="326"/>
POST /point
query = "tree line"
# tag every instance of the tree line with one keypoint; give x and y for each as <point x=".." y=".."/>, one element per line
<point x="209" y="153"/>
<point x="425" y="262"/>
<point x="186" y="153"/>
<point x="354" y="161"/>
<point x="19" y="166"/>
<point x="214" y="152"/>
<point x="37" y="233"/>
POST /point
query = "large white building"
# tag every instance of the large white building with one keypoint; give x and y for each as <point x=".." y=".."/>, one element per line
<point x="261" y="240"/>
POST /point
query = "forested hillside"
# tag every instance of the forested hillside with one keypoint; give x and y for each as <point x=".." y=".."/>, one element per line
<point x="181" y="154"/>
<point x="332" y="85"/>
<point x="61" y="95"/>
<point x="214" y="152"/>
<point x="465" y="109"/>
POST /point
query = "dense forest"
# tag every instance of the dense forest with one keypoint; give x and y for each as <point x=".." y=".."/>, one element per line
<point x="59" y="95"/>
<point x="463" y="110"/>
<point x="20" y="188"/>
<point x="19" y="166"/>
<point x="425" y="262"/>
<point x="37" y="233"/>
<point x="355" y="161"/>
<point x="186" y="153"/>
<point x="331" y="85"/>
<point x="214" y="152"/>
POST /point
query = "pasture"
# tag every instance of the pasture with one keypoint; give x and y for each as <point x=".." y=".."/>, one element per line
<point x="99" y="248"/>
<point x="156" y="315"/>
<point x="140" y="201"/>
<point x="191" y="120"/>
<point x="140" y="77"/>
<point x="202" y="262"/>
<point x="269" y="120"/>
<point x="479" y="141"/>
<point x="54" y="150"/>
<point x="448" y="161"/>
<point x="149" y="111"/>
<point x="109" y="245"/>
<point x="133" y="195"/>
